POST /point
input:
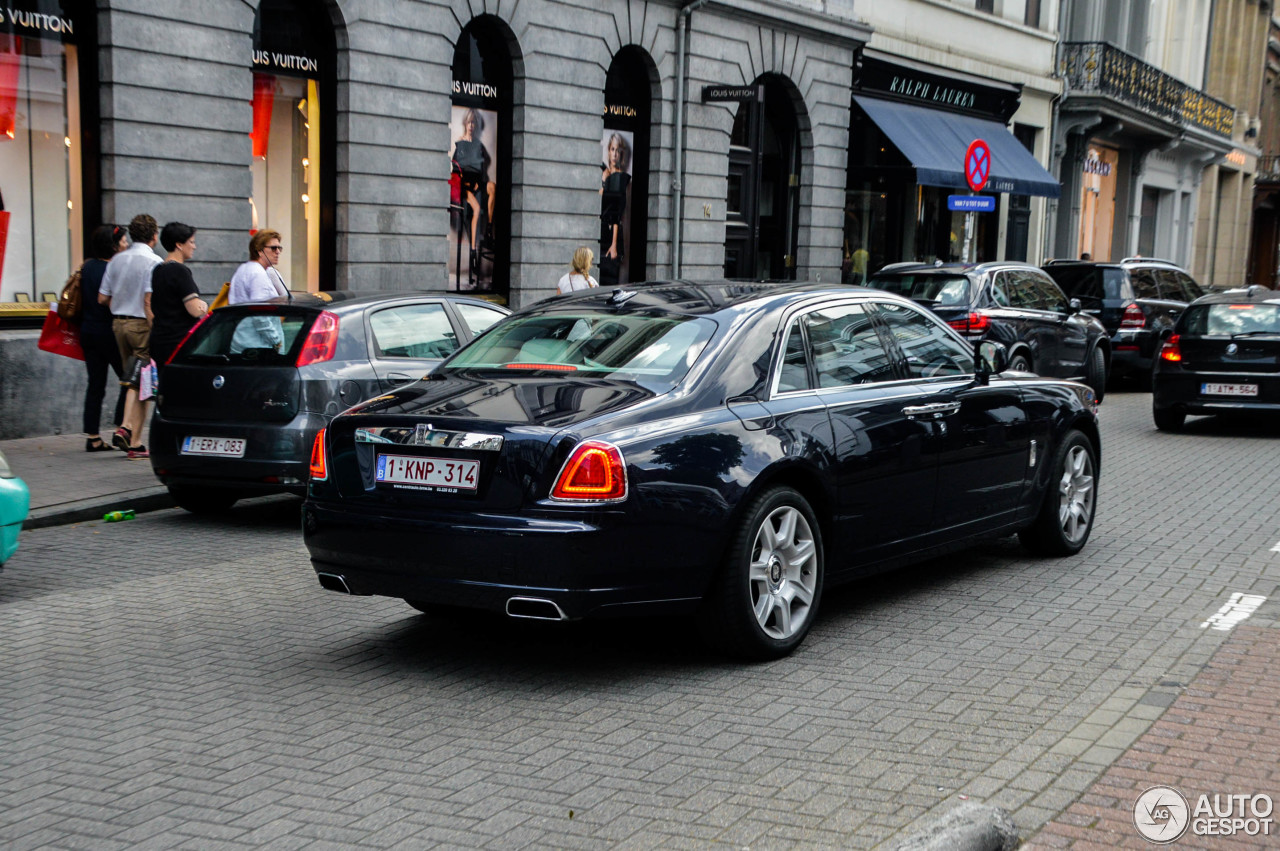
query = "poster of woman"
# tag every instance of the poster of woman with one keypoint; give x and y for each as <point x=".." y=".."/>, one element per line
<point x="473" y="192"/>
<point x="615" y="205"/>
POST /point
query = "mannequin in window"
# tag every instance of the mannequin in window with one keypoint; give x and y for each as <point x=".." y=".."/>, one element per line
<point x="615" y="195"/>
<point x="472" y="160"/>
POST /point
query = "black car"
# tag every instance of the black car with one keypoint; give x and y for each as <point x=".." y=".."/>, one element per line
<point x="1222" y="358"/>
<point x="1016" y="305"/>
<point x="243" y="397"/>
<point x="725" y="449"/>
<point x="1138" y="300"/>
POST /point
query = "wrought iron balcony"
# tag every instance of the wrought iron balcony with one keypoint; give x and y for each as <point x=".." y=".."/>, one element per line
<point x="1102" y="69"/>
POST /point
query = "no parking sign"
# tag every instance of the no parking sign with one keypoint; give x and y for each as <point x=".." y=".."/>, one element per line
<point x="977" y="165"/>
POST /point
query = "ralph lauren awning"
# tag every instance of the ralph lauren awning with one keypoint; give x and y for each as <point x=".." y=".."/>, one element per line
<point x="935" y="142"/>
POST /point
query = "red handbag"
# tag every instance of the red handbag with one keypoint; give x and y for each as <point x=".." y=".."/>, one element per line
<point x="60" y="337"/>
<point x="455" y="185"/>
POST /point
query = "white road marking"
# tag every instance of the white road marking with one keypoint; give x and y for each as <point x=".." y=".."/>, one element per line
<point x="1237" y="609"/>
<point x="1276" y="548"/>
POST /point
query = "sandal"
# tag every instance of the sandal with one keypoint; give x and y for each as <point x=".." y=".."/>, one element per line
<point x="122" y="438"/>
<point x="96" y="444"/>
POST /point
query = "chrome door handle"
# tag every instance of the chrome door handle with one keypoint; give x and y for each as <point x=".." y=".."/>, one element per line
<point x="936" y="410"/>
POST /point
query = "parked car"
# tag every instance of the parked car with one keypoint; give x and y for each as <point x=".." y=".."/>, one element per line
<point x="15" y="499"/>
<point x="1014" y="304"/>
<point x="243" y="397"/>
<point x="1138" y="300"/>
<point x="1222" y="358"/>
<point x="724" y="449"/>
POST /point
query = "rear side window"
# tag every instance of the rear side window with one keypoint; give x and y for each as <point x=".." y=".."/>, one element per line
<point x="266" y="336"/>
<point x="1231" y="319"/>
<point x="1178" y="286"/>
<point x="1144" y="283"/>
<point x="936" y="290"/>
<point x="478" y="318"/>
<point x="413" y="331"/>
<point x="794" y="374"/>
<point x="846" y="347"/>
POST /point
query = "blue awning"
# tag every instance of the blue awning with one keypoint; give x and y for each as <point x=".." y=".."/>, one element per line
<point x="935" y="143"/>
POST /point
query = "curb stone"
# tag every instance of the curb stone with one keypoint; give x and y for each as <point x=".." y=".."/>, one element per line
<point x="969" y="827"/>
<point x="92" y="508"/>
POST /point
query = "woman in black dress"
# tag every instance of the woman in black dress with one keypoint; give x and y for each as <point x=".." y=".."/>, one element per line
<point x="96" y="337"/>
<point x="615" y="188"/>
<point x="175" y="299"/>
<point x="472" y="159"/>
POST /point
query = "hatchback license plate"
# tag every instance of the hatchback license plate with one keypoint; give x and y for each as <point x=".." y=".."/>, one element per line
<point x="227" y="447"/>
<point x="456" y="473"/>
<point x="1229" y="389"/>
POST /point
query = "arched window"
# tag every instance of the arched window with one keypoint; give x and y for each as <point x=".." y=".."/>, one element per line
<point x="48" y="144"/>
<point x="480" y="155"/>
<point x="624" y="163"/>
<point x="294" y="85"/>
<point x="763" y="199"/>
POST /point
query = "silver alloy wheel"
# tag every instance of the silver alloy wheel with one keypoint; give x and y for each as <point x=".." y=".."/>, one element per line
<point x="1075" y="494"/>
<point x="783" y="572"/>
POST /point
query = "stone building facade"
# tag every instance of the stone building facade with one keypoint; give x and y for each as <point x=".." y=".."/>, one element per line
<point x="337" y="122"/>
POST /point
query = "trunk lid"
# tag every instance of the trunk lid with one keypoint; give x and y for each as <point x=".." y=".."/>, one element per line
<point x="239" y="365"/>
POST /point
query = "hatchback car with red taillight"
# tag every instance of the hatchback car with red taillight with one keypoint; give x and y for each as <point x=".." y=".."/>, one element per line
<point x="1016" y="305"/>
<point x="1222" y="358"/>
<point x="722" y="450"/>
<point x="1138" y="300"/>
<point x="244" y="395"/>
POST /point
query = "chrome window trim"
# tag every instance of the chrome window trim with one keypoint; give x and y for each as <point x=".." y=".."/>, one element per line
<point x="417" y="435"/>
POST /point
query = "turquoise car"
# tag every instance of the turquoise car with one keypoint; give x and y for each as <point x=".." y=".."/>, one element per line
<point x="14" y="499"/>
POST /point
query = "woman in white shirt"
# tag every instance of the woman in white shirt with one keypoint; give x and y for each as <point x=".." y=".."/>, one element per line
<point x="579" y="277"/>
<point x="258" y="280"/>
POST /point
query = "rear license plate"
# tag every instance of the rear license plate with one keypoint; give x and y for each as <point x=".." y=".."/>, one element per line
<point x="418" y="471"/>
<point x="1229" y="389"/>
<point x="227" y="447"/>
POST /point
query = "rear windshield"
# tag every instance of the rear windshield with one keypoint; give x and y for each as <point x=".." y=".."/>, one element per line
<point x="1089" y="282"/>
<point x="936" y="290"/>
<point x="265" y="336"/>
<point x="1230" y="320"/>
<point x="654" y="351"/>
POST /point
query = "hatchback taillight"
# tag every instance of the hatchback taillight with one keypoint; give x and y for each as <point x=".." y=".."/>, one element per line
<point x="974" y="323"/>
<point x="1133" y="317"/>
<point x="595" y="472"/>
<point x="319" y="461"/>
<point x="1172" y="349"/>
<point x="322" y="340"/>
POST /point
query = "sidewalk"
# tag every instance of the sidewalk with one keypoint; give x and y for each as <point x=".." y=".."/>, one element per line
<point x="69" y="485"/>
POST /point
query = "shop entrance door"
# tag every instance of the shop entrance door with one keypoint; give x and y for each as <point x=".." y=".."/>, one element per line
<point x="763" y="197"/>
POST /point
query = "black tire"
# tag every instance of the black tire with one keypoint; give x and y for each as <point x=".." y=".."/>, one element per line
<point x="1020" y="362"/>
<point x="1096" y="374"/>
<point x="1054" y="533"/>
<point x="1168" y="419"/>
<point x="753" y="614"/>
<point x="200" y="500"/>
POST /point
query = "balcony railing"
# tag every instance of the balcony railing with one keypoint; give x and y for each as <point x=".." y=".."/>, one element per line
<point x="1268" y="169"/>
<point x="1099" y="68"/>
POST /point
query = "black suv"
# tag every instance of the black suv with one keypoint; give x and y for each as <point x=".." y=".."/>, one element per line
<point x="1011" y="303"/>
<point x="1222" y="358"/>
<point x="1138" y="300"/>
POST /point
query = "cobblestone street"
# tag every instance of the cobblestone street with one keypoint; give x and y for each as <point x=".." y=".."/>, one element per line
<point x="179" y="682"/>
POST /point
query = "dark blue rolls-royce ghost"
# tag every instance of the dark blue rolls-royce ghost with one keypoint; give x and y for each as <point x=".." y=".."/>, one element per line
<point x="721" y="449"/>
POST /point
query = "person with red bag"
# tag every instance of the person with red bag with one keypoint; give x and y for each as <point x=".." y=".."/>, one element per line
<point x="96" y="336"/>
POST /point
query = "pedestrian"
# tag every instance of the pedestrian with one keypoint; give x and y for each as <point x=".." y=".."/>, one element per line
<point x="175" y="298"/>
<point x="579" y="276"/>
<point x="258" y="279"/>
<point x="1086" y="256"/>
<point x="96" y="337"/>
<point x="126" y="289"/>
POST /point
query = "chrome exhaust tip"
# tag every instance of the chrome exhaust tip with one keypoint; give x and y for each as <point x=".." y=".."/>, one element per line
<point x="333" y="582"/>
<point x="535" y="608"/>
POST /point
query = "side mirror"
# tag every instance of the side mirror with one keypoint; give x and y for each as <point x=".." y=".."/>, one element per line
<point x="993" y="359"/>
<point x="1075" y="305"/>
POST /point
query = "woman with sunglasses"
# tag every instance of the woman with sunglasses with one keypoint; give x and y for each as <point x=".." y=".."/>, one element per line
<point x="96" y="337"/>
<point x="257" y="279"/>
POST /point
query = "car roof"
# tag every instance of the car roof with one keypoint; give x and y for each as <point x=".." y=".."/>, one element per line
<point x="348" y="301"/>
<point x="953" y="268"/>
<point x="1254" y="294"/>
<point x="1126" y="263"/>
<point x="699" y="298"/>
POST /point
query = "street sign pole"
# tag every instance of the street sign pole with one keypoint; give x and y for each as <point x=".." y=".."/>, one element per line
<point x="965" y="255"/>
<point x="977" y="169"/>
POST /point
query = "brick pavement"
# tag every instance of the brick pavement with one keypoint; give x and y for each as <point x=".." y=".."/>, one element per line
<point x="177" y="682"/>
<point x="1221" y="736"/>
